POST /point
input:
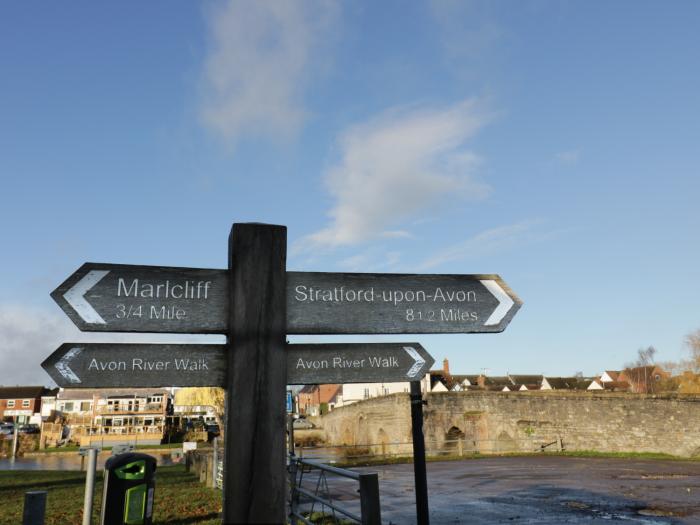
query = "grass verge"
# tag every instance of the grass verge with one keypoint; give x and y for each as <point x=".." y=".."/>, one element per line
<point x="179" y="497"/>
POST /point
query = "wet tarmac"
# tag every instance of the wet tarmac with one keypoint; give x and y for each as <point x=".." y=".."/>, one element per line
<point x="545" y="489"/>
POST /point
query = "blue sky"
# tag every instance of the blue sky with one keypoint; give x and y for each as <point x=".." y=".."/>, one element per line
<point x="553" y="143"/>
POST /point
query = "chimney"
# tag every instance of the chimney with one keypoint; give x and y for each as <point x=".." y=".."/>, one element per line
<point x="446" y="367"/>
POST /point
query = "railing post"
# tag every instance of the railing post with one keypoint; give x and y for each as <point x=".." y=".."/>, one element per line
<point x="369" y="499"/>
<point x="89" y="486"/>
<point x="34" y="507"/>
<point x="215" y="461"/>
<point x="293" y="498"/>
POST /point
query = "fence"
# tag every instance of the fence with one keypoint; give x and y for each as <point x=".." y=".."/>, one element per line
<point x="310" y="493"/>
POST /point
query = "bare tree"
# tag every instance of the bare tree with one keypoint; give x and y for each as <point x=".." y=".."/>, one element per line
<point x="692" y="342"/>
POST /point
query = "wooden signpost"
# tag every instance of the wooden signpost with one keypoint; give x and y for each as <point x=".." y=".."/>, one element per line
<point x="256" y="303"/>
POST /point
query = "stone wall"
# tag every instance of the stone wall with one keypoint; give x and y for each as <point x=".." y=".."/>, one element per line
<point x="525" y="421"/>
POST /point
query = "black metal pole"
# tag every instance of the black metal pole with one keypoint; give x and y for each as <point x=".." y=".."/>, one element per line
<point x="419" y="454"/>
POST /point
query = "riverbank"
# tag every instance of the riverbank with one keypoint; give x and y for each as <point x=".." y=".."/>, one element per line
<point x="174" y="447"/>
<point x="179" y="497"/>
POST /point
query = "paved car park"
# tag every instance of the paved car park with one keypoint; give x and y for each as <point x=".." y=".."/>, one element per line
<point x="543" y="489"/>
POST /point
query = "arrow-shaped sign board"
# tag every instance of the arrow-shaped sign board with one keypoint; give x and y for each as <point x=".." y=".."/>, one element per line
<point x="381" y="303"/>
<point x="123" y="298"/>
<point x="106" y="365"/>
<point x="309" y="364"/>
<point x="126" y="298"/>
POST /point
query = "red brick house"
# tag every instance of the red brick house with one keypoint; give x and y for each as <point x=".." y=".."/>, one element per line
<point x="20" y="403"/>
<point x="316" y="399"/>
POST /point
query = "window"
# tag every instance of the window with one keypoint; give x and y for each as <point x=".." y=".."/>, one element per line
<point x="85" y="406"/>
<point x="25" y="403"/>
<point x="366" y="393"/>
<point x="11" y="403"/>
<point x="68" y="407"/>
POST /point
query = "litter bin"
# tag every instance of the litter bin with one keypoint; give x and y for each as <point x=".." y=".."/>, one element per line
<point x="129" y="483"/>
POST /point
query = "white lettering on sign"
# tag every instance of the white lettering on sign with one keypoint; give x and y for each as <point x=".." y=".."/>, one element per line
<point x="191" y="364"/>
<point x="138" y="364"/>
<point x="106" y="365"/>
<point x="166" y="290"/>
<point x="342" y="294"/>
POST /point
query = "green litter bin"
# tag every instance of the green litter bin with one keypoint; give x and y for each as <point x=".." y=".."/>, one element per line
<point x="129" y="483"/>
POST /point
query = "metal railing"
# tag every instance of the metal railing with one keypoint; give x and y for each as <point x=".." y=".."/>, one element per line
<point x="309" y="493"/>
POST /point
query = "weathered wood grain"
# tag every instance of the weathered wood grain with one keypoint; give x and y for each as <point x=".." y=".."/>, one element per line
<point x="132" y="298"/>
<point x="254" y="471"/>
<point x="141" y="299"/>
<point x="376" y="303"/>
<point x="108" y="365"/>
<point x="356" y="363"/>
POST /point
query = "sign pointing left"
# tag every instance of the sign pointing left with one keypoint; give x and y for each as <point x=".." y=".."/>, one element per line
<point x="130" y="298"/>
<point x="107" y="365"/>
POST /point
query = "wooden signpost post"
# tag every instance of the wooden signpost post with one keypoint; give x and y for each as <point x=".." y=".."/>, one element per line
<point x="256" y="303"/>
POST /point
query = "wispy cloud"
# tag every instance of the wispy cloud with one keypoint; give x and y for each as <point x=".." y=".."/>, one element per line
<point x="27" y="337"/>
<point x="487" y="242"/>
<point x="396" y="165"/>
<point x="568" y="158"/>
<point x="258" y="65"/>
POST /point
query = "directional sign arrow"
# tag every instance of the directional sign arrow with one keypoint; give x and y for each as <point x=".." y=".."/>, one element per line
<point x="381" y="303"/>
<point x="126" y="298"/>
<point x="106" y="365"/>
<point x="356" y="363"/>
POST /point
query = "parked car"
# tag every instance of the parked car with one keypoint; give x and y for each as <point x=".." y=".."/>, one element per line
<point x="302" y="423"/>
<point x="7" y="429"/>
<point x="29" y="429"/>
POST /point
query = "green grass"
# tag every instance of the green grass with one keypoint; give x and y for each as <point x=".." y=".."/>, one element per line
<point x="179" y="497"/>
<point x="75" y="448"/>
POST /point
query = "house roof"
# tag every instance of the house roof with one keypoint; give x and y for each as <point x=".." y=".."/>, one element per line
<point x="22" y="392"/>
<point x="526" y="379"/>
<point x="104" y="393"/>
<point x="569" y="383"/>
<point x="497" y="380"/>
<point x="616" y="386"/>
<point x="308" y="389"/>
<point x="612" y="374"/>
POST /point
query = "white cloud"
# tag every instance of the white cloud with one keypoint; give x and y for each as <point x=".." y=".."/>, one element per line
<point x="396" y="165"/>
<point x="487" y="242"/>
<point x="27" y="337"/>
<point x="259" y="64"/>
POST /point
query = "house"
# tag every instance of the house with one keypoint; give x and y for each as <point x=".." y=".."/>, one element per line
<point x="314" y="400"/>
<point x="643" y="379"/>
<point x="609" y="375"/>
<point x="526" y="382"/>
<point x="609" y="386"/>
<point x="112" y="416"/>
<point x="565" y="383"/>
<point x="495" y="383"/>
<point x="21" y="404"/>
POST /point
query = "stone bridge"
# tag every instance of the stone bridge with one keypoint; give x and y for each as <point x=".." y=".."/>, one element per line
<point x="493" y="422"/>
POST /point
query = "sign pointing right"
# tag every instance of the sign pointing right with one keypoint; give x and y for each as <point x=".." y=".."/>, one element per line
<point x="356" y="363"/>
